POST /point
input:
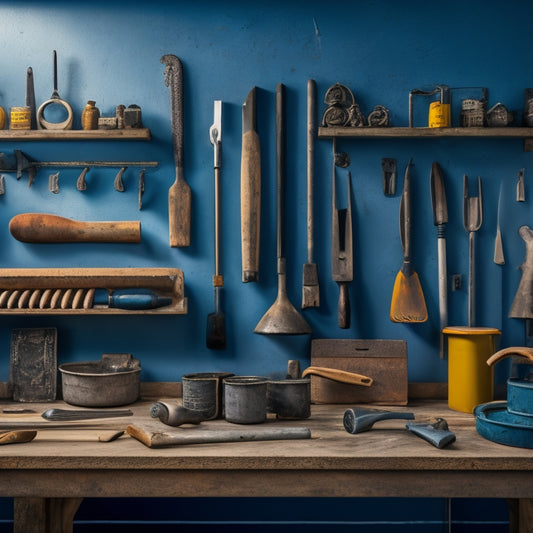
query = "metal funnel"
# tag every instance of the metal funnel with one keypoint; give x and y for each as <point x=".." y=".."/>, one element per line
<point x="282" y="318"/>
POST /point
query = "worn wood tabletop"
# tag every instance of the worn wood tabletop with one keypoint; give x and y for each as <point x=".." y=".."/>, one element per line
<point x="59" y="467"/>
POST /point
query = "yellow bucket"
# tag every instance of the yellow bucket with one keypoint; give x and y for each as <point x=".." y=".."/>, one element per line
<point x="470" y="379"/>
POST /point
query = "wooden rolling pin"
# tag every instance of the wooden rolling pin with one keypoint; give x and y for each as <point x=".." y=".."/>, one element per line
<point x="44" y="228"/>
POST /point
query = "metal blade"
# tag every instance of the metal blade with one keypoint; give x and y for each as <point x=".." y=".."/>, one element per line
<point x="438" y="196"/>
<point x="249" y="120"/>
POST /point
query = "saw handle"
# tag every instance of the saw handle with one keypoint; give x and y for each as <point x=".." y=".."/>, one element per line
<point x="338" y="375"/>
<point x="509" y="352"/>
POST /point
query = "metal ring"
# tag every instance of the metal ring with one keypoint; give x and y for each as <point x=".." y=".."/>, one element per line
<point x="43" y="124"/>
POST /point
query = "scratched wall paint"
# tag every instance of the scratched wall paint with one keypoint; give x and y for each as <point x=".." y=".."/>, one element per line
<point x="381" y="49"/>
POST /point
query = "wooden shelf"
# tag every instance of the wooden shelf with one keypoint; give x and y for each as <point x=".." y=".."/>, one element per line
<point x="17" y="284"/>
<point x="125" y="134"/>
<point x="429" y="133"/>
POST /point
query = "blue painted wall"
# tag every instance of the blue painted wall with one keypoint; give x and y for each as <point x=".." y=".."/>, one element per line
<point x="110" y="52"/>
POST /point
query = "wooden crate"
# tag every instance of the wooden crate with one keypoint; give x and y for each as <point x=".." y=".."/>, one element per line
<point x="385" y="361"/>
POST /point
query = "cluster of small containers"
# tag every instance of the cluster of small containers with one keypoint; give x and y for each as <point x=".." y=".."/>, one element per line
<point x="246" y="399"/>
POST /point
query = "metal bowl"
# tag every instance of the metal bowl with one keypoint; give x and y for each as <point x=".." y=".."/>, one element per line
<point x="114" y="380"/>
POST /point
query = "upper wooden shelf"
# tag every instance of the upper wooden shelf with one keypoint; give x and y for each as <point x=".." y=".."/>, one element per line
<point x="123" y="134"/>
<point x="410" y="133"/>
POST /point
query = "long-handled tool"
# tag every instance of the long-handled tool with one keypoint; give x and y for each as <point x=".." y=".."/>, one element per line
<point x="440" y="219"/>
<point x="342" y="248"/>
<point x="216" y="322"/>
<point x="179" y="194"/>
<point x="250" y="190"/>
<point x="472" y="220"/>
<point x="499" y="257"/>
<point x="408" y="303"/>
<point x="282" y="318"/>
<point x="310" y="288"/>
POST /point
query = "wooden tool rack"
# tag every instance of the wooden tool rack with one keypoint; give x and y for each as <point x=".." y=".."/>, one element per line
<point x="49" y="477"/>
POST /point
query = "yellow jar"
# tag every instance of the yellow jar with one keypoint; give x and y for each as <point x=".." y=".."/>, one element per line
<point x="20" y="118"/>
<point x="470" y="379"/>
<point x="2" y="118"/>
<point x="439" y="115"/>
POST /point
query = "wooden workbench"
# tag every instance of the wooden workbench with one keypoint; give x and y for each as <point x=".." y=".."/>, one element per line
<point x="49" y="476"/>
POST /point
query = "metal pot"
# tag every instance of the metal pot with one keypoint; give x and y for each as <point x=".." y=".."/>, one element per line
<point x="289" y="398"/>
<point x="112" y="381"/>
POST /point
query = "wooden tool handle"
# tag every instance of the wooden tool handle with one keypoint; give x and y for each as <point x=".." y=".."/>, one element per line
<point x="522" y="351"/>
<point x="44" y="228"/>
<point x="250" y="205"/>
<point x="344" y="311"/>
<point x="338" y="375"/>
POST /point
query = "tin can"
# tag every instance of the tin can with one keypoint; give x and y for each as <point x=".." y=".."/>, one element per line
<point x="245" y="399"/>
<point x="20" y="118"/>
<point x="439" y="115"/>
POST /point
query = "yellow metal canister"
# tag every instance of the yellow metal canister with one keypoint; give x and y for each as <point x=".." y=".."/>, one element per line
<point x="439" y="115"/>
<point x="20" y="118"/>
<point x="470" y="379"/>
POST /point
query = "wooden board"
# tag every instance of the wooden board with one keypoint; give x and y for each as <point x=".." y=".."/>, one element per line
<point x="33" y="365"/>
<point x="385" y="361"/>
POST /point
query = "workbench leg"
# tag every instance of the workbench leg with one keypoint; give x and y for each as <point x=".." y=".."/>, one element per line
<point x="520" y="515"/>
<point x="44" y="515"/>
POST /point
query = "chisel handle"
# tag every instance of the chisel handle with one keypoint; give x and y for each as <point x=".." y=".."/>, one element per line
<point x="44" y="228"/>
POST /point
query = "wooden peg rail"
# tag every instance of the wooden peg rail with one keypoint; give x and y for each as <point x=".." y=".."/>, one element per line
<point x="165" y="281"/>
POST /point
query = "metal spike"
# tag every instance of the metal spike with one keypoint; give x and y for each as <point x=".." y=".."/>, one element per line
<point x="119" y="184"/>
<point x="53" y="183"/>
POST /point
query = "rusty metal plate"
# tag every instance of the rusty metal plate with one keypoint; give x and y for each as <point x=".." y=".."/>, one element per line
<point x="33" y="366"/>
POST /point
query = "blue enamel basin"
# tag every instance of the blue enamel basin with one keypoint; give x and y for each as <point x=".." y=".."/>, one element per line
<point x="494" y="422"/>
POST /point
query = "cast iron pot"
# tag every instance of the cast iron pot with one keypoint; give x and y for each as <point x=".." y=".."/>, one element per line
<point x="114" y="380"/>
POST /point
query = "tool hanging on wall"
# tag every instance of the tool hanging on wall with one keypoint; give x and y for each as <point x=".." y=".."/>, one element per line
<point x="250" y="190"/>
<point x="216" y="322"/>
<point x="472" y="220"/>
<point x="520" y="189"/>
<point x="30" y="98"/>
<point x="42" y="123"/>
<point x="440" y="219"/>
<point x="499" y="258"/>
<point x="388" y="172"/>
<point x="408" y="303"/>
<point x="282" y="318"/>
<point x="179" y="194"/>
<point x="342" y="241"/>
<point x="310" y="287"/>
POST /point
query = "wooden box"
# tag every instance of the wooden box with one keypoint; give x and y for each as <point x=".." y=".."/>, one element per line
<point x="385" y="361"/>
